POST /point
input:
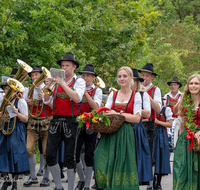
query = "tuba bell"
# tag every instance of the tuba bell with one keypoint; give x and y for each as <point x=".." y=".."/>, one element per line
<point x="15" y="86"/>
<point x="45" y="74"/>
<point x="99" y="82"/>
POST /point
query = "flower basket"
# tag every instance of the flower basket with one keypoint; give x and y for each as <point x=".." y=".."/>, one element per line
<point x="115" y="122"/>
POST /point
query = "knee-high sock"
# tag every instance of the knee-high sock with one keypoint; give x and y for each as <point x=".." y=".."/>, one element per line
<point x="71" y="175"/>
<point x="32" y="164"/>
<point x="88" y="176"/>
<point x="83" y="160"/>
<point x="41" y="162"/>
<point x="80" y="171"/>
<point x="55" y="171"/>
<point x="159" y="177"/>
<point x="46" y="170"/>
<point x="151" y="182"/>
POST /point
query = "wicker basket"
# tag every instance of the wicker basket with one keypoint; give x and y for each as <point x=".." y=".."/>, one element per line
<point x="115" y="122"/>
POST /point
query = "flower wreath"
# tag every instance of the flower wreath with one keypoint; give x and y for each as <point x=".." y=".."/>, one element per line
<point x="95" y="116"/>
<point x="188" y="114"/>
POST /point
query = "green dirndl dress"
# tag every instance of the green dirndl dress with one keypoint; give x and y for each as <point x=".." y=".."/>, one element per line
<point x="115" y="160"/>
<point x="186" y="167"/>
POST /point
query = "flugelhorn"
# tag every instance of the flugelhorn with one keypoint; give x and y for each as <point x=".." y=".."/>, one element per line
<point x="112" y="89"/>
<point x="15" y="86"/>
<point x="48" y="90"/>
<point x="45" y="74"/>
<point x="99" y="82"/>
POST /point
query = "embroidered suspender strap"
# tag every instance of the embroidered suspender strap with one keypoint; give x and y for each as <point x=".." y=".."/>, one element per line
<point x="94" y="93"/>
<point x="167" y="100"/>
<point x="45" y="111"/>
<point x="54" y="106"/>
<point x="152" y="94"/>
<point x="142" y="93"/>
<point x="72" y="107"/>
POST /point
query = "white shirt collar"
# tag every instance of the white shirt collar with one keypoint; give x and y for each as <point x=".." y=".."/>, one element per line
<point x="70" y="80"/>
<point x="91" y="87"/>
<point x="170" y="94"/>
<point x="148" y="86"/>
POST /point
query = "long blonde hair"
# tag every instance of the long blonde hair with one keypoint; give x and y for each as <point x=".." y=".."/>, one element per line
<point x="186" y="91"/>
<point x="129" y="72"/>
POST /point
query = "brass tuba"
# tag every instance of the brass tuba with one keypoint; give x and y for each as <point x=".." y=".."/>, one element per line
<point x="15" y="86"/>
<point x="23" y="70"/>
<point x="36" y="83"/>
<point x="99" y="82"/>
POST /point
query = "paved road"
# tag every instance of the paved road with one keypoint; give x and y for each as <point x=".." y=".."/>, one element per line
<point x="166" y="182"/>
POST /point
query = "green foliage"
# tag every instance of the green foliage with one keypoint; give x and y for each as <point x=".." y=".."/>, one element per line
<point x="108" y="34"/>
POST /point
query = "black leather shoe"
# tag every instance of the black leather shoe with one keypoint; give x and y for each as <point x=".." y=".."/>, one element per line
<point x="14" y="188"/>
<point x="149" y="188"/>
<point x="86" y="188"/>
<point x="58" y="189"/>
<point x="80" y="185"/>
<point x="31" y="181"/>
<point x="44" y="183"/>
<point x="94" y="186"/>
<point x="40" y="173"/>
<point x="5" y="185"/>
<point x="158" y="187"/>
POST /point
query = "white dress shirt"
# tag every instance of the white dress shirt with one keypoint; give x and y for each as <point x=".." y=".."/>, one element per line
<point x="157" y="95"/>
<point x="170" y="95"/>
<point x="79" y="87"/>
<point x="97" y="96"/>
<point x="137" y="103"/>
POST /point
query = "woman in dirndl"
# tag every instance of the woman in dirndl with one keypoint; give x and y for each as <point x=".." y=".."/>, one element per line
<point x="186" y="167"/>
<point x="163" y="120"/>
<point x="13" y="154"/>
<point x="115" y="158"/>
<point x="143" y="153"/>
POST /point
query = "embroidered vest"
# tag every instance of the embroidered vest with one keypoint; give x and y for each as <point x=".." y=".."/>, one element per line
<point x="161" y="116"/>
<point x="85" y="107"/>
<point x="170" y="102"/>
<point x="63" y="103"/>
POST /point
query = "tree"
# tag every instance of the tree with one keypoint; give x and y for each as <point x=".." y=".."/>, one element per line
<point x="108" y="34"/>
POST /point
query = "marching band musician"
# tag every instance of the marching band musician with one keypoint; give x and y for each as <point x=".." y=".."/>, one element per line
<point x="172" y="97"/>
<point x="66" y="95"/>
<point x="37" y="129"/>
<point x="154" y="93"/>
<point x="91" y="101"/>
<point x="142" y="146"/>
<point x="14" y="156"/>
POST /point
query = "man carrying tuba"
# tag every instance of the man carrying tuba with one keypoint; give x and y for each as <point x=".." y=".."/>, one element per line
<point x="38" y="124"/>
<point x="66" y="95"/>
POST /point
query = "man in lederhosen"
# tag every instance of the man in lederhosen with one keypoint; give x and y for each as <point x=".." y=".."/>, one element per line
<point x="37" y="129"/>
<point x="91" y="101"/>
<point x="172" y="97"/>
<point x="154" y="92"/>
<point x="66" y="95"/>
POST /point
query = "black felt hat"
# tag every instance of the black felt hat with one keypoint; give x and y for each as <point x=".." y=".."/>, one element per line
<point x="89" y="68"/>
<point x="36" y="69"/>
<point x="68" y="57"/>
<point x="3" y="85"/>
<point x="14" y="71"/>
<point x="148" y="68"/>
<point x="106" y="91"/>
<point x="136" y="75"/>
<point x="174" y="80"/>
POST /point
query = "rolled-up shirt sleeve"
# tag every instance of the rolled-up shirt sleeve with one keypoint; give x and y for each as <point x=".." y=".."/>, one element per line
<point x="109" y="100"/>
<point x="146" y="102"/>
<point x="98" y="97"/>
<point x="157" y="97"/>
<point x="80" y="87"/>
<point x="137" y="107"/>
